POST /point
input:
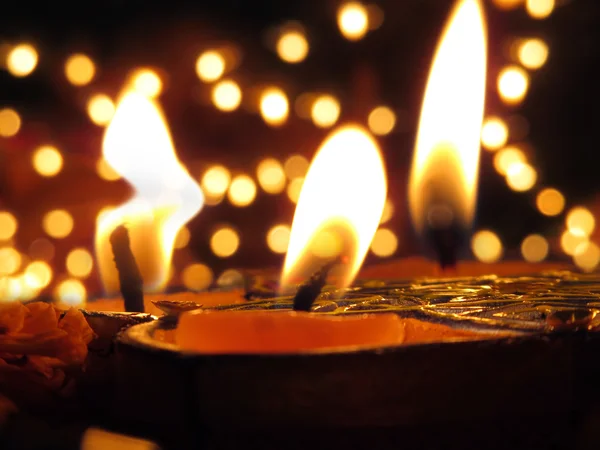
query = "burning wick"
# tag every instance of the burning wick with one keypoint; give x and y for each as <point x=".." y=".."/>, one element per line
<point x="309" y="291"/>
<point x="130" y="280"/>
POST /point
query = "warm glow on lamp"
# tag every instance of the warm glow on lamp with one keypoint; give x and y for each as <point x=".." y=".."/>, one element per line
<point x="137" y="144"/>
<point x="333" y="200"/>
<point x="443" y="179"/>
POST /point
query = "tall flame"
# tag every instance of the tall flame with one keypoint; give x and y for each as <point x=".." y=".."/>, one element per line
<point x="345" y="190"/>
<point x="137" y="144"/>
<point x="443" y="179"/>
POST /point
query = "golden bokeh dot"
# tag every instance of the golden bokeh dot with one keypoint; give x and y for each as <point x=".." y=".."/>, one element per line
<point x="210" y="66"/>
<point x="295" y="166"/>
<point x="79" y="263"/>
<point x="385" y="243"/>
<point x="513" y="83"/>
<point x="294" y="188"/>
<point x="10" y="122"/>
<point x="105" y="170"/>
<point x="326" y="244"/>
<point x="227" y="95"/>
<point x="494" y="133"/>
<point x="215" y="181"/>
<point x="278" y="238"/>
<point x="539" y="9"/>
<point x="587" y="256"/>
<point x="58" y="223"/>
<point x="508" y="157"/>
<point x="550" y="202"/>
<point x="486" y="246"/>
<point x="8" y="225"/>
<point x="533" y="53"/>
<point x="507" y="4"/>
<point x="580" y="221"/>
<point x="325" y="111"/>
<point x="242" y="190"/>
<point x="80" y="69"/>
<point x="147" y="82"/>
<point x="197" y="277"/>
<point x="388" y="211"/>
<point x="224" y="242"/>
<point x="183" y="238"/>
<point x="39" y="274"/>
<point x="230" y="278"/>
<point x="292" y="47"/>
<point x="534" y="248"/>
<point x="521" y="177"/>
<point x="47" y="161"/>
<point x="381" y="120"/>
<point x="271" y="176"/>
<point x="22" y="60"/>
<point x="10" y="261"/>
<point x="353" y="20"/>
<point x="101" y="109"/>
<point x="569" y="242"/>
<point x="274" y="106"/>
<point x="42" y="249"/>
<point x="71" y="292"/>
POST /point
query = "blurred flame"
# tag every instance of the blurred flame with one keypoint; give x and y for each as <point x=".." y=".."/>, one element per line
<point x="137" y="144"/>
<point x="446" y="159"/>
<point x="333" y="196"/>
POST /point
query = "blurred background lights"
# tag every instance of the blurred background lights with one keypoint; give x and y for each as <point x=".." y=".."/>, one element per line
<point x="215" y="181"/>
<point x="39" y="273"/>
<point x="47" y="161"/>
<point x="295" y="166"/>
<point x="486" y="246"/>
<point x="224" y="242"/>
<point x="506" y="158"/>
<point x="294" y="188"/>
<point x="41" y="249"/>
<point x="58" y="223"/>
<point x="385" y="243"/>
<point x="210" y="66"/>
<point x="388" y="211"/>
<point x="587" y="256"/>
<point x="197" y="277"/>
<point x="569" y="242"/>
<point x="533" y="53"/>
<point x="580" y="221"/>
<point x="71" y="292"/>
<point x="79" y="69"/>
<point x="105" y="170"/>
<point x="274" y="106"/>
<point x="494" y="133"/>
<point x="353" y="20"/>
<point x="183" y="238"/>
<point x="10" y="260"/>
<point x="534" y="248"/>
<point x="326" y="244"/>
<point x="550" y="202"/>
<point x="147" y="82"/>
<point x="79" y="263"/>
<point x="22" y="60"/>
<point x="101" y="109"/>
<point x="325" y="111"/>
<point x="381" y="120"/>
<point x="539" y="9"/>
<point x="521" y="177"/>
<point x="513" y="82"/>
<point x="227" y="95"/>
<point x="230" y="278"/>
<point x="242" y="190"/>
<point x="507" y="4"/>
<point x="10" y="122"/>
<point x="292" y="46"/>
<point x="271" y="176"/>
<point x="8" y="225"/>
<point x="278" y="238"/>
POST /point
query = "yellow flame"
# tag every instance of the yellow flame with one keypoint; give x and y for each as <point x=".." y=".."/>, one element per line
<point x="138" y="146"/>
<point x="333" y="196"/>
<point x="446" y="159"/>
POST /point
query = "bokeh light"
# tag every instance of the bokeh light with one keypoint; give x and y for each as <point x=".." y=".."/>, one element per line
<point x="183" y="238"/>
<point x="533" y="53"/>
<point x="105" y="170"/>
<point x="101" y="109"/>
<point x="326" y="244"/>
<point x="539" y="9"/>
<point x="381" y="120"/>
<point x="569" y="242"/>
<point x="486" y="246"/>
<point x="388" y="211"/>
<point x="587" y="256"/>
<point x="550" y="202"/>
<point x="230" y="278"/>
<point x="513" y="83"/>
<point x="147" y="82"/>
<point x="353" y="20"/>
<point x="58" y="223"/>
<point x="294" y="188"/>
<point x="8" y="225"/>
<point x="71" y="292"/>
<point x="22" y="60"/>
<point x="507" y="4"/>
<point x="325" y="111"/>
<point x="10" y="260"/>
<point x="215" y="181"/>
<point x="47" y="161"/>
<point x="271" y="176"/>
<point x="242" y="191"/>
<point x="41" y="249"/>
<point x="508" y="157"/>
<point x="580" y="221"/>
<point x="10" y="122"/>
<point x="278" y="238"/>
<point x="494" y="133"/>
<point x="274" y="106"/>
<point x="39" y="274"/>
<point x="521" y="177"/>
<point x="79" y="69"/>
<point x="224" y="242"/>
<point x="534" y="248"/>
<point x="197" y="277"/>
<point x="79" y="263"/>
<point x="227" y="95"/>
<point x="295" y="166"/>
<point x="292" y="46"/>
<point x="210" y="66"/>
<point x="385" y="243"/>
